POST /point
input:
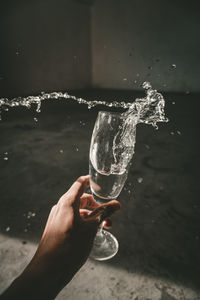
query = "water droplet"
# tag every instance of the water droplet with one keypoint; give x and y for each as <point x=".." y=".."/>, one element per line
<point x="35" y="119"/>
<point x="82" y="123"/>
<point x="172" y="133"/>
<point x="30" y="214"/>
<point x="77" y="149"/>
<point x="128" y="191"/>
<point x="61" y="151"/>
<point x="139" y="179"/>
<point x="187" y="92"/>
<point x="173" y="102"/>
<point x="178" y="132"/>
<point x="5" y="158"/>
<point x="7" y="228"/>
<point x="25" y="230"/>
<point x="124" y="79"/>
<point x="38" y="109"/>
<point x="137" y="74"/>
<point x="173" y="66"/>
<point x="146" y="85"/>
<point x="147" y="146"/>
<point x="17" y="52"/>
<point x="135" y="81"/>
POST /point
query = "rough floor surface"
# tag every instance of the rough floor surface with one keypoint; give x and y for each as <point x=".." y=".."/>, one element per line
<point x="158" y="228"/>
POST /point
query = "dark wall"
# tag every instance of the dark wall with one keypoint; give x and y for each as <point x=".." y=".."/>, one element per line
<point x="55" y="45"/>
<point x="45" y="46"/>
<point x="137" y="40"/>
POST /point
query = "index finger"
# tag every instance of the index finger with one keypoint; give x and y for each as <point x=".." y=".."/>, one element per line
<point x="72" y="196"/>
<point x="79" y="186"/>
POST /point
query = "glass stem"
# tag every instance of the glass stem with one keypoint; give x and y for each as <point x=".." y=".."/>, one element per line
<point x="100" y="229"/>
<point x="100" y="237"/>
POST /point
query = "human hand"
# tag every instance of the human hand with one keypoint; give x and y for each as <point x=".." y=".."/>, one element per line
<point x="66" y="241"/>
<point x="72" y="227"/>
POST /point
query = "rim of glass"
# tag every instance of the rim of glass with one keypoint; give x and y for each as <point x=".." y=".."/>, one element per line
<point x="116" y="114"/>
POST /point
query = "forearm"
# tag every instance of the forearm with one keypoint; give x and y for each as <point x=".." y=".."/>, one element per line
<point x="28" y="287"/>
<point x="37" y="284"/>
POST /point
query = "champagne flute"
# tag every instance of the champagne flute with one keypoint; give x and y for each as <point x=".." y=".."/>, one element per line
<point x="111" y="149"/>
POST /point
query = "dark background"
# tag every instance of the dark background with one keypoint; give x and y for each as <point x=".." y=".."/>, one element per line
<point x="105" y="49"/>
<point x="75" y="44"/>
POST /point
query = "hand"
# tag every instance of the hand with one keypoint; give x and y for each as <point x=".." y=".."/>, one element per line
<point x="65" y="244"/>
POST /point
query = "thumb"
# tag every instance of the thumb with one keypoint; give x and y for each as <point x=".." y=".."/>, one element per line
<point x="104" y="211"/>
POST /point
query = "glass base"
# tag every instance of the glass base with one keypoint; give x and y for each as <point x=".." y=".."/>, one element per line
<point x="105" y="246"/>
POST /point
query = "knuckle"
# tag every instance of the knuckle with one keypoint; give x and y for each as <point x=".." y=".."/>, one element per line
<point x="81" y="179"/>
<point x="54" y="207"/>
<point x="65" y="199"/>
<point x="61" y="199"/>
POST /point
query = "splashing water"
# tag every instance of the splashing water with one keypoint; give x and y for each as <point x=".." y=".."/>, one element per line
<point x="149" y="109"/>
<point x="31" y="100"/>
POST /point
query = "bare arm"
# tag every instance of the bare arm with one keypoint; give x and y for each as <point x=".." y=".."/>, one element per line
<point x="64" y="247"/>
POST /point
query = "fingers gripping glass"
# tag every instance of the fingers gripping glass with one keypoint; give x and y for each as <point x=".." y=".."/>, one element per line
<point x="111" y="149"/>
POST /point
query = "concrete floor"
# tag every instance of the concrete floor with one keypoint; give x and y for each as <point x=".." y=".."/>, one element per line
<point x="158" y="227"/>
